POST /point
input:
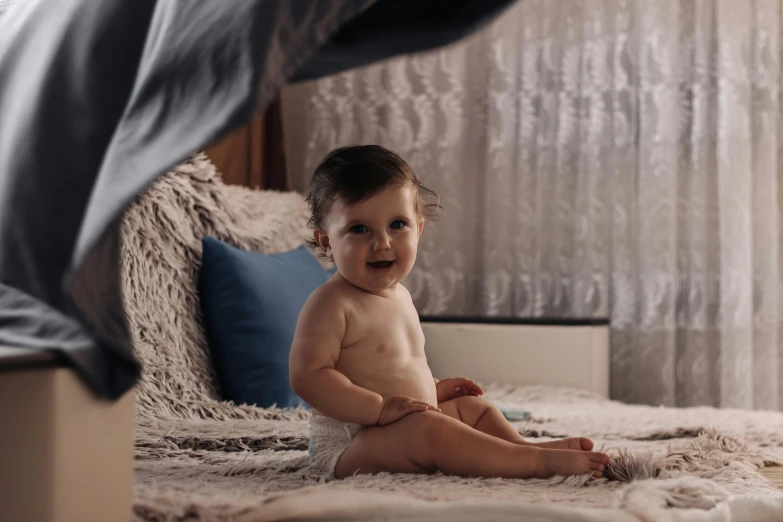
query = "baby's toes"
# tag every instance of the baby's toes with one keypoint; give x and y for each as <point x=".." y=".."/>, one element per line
<point x="598" y="469"/>
<point x="578" y="444"/>
<point x="599" y="458"/>
<point x="596" y="466"/>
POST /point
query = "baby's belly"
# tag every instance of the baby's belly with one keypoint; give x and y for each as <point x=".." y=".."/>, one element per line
<point x="413" y="379"/>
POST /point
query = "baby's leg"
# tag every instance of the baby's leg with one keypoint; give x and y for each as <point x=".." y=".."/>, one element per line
<point x="428" y="441"/>
<point x="485" y="417"/>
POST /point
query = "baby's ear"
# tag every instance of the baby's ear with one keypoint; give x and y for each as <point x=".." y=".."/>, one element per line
<point x="322" y="239"/>
<point x="420" y="226"/>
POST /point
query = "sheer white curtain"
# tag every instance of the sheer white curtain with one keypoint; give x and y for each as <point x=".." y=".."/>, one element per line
<point x="4" y="5"/>
<point x="596" y="159"/>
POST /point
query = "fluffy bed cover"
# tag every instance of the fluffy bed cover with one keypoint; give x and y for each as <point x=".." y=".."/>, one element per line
<point x="200" y="458"/>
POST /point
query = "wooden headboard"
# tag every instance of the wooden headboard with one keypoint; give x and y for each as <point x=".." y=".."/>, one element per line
<point x="254" y="155"/>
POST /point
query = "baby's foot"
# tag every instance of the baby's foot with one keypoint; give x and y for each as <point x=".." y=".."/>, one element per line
<point x="570" y="462"/>
<point x="572" y="443"/>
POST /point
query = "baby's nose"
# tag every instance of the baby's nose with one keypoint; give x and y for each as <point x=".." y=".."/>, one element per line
<point x="382" y="243"/>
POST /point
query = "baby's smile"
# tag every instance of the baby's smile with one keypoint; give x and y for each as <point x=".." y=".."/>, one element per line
<point x="381" y="266"/>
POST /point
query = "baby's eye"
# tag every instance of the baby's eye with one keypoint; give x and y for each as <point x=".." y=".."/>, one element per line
<point x="358" y="229"/>
<point x="398" y="223"/>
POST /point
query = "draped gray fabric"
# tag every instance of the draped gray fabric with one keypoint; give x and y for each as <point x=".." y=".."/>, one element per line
<point x="98" y="98"/>
<point x="596" y="159"/>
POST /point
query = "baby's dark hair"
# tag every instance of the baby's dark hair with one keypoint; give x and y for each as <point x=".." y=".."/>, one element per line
<point x="354" y="174"/>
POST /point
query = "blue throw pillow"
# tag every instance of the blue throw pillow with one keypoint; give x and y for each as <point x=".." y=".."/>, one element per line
<point x="251" y="302"/>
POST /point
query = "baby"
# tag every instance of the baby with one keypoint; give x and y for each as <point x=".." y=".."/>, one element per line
<point x="358" y="353"/>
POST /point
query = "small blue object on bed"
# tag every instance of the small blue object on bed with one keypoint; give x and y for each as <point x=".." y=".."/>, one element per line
<point x="251" y="302"/>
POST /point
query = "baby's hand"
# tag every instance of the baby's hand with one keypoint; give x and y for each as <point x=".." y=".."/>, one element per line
<point x="395" y="408"/>
<point x="448" y="389"/>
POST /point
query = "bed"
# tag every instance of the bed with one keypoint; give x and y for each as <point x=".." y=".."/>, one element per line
<point x="198" y="457"/>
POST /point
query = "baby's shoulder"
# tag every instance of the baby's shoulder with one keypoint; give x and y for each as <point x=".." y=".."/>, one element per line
<point x="404" y="293"/>
<point x="330" y="295"/>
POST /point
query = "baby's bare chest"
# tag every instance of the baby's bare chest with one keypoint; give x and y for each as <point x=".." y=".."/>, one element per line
<point x="385" y="331"/>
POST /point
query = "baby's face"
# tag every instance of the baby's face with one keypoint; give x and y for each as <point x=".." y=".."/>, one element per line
<point x="374" y="241"/>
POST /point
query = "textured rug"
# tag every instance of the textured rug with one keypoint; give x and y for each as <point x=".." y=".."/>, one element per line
<point x="664" y="459"/>
<point x="200" y="458"/>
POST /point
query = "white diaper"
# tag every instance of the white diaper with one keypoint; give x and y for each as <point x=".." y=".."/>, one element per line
<point x="329" y="438"/>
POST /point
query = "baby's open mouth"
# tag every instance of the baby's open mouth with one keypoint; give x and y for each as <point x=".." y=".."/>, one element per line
<point x="381" y="264"/>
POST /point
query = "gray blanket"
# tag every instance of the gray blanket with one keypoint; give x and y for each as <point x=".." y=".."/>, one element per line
<point x="99" y="98"/>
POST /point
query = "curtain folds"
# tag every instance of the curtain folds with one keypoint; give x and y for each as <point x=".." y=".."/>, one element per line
<point x="596" y="159"/>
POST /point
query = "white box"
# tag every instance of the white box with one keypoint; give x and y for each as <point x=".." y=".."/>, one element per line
<point x="567" y="355"/>
<point x="65" y="455"/>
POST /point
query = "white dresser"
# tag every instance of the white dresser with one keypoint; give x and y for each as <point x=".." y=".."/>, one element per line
<point x="572" y="353"/>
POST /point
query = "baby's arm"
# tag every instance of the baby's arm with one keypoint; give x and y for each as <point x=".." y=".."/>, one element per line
<point x="454" y="387"/>
<point x="314" y="353"/>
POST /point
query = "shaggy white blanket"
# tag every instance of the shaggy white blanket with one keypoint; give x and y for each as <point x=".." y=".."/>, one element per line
<point x="669" y="464"/>
<point x="200" y="458"/>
